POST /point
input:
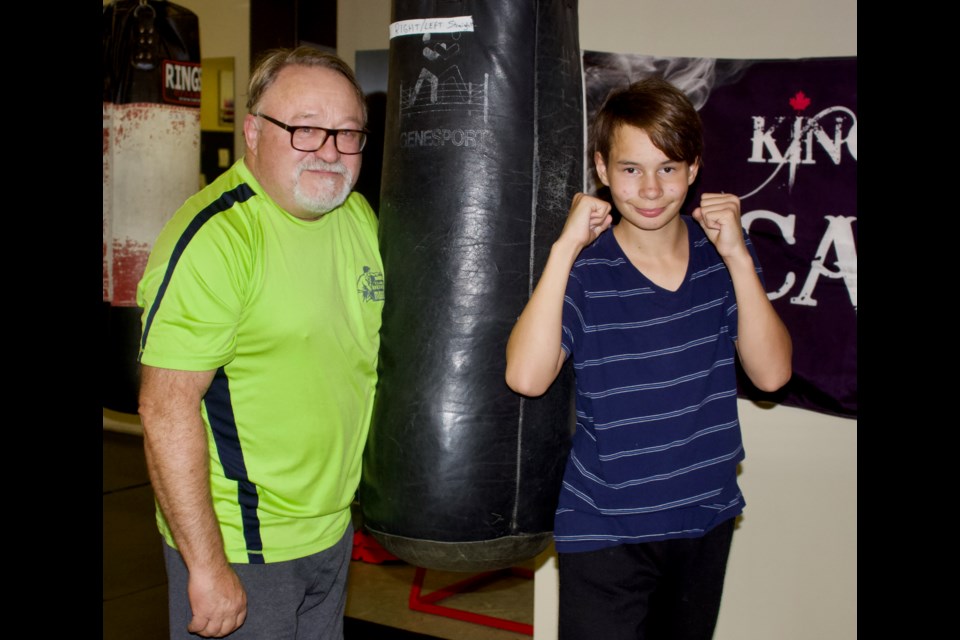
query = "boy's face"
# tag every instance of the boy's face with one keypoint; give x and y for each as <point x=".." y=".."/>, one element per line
<point x="648" y="188"/>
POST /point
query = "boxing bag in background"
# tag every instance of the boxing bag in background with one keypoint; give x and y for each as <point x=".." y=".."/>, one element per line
<point x="151" y="161"/>
<point x="483" y="153"/>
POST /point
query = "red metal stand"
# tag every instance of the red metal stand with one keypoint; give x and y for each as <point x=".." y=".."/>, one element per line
<point x="427" y="603"/>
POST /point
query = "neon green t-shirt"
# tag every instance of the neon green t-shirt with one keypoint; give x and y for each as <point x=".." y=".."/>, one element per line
<point x="287" y="312"/>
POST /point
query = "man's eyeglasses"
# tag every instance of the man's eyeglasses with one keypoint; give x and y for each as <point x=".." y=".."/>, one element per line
<point x="347" y="141"/>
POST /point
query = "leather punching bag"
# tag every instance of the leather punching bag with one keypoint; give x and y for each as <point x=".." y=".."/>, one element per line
<point x="483" y="153"/>
<point x="151" y="161"/>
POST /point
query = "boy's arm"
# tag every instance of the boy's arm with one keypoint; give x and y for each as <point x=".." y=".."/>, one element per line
<point x="534" y="355"/>
<point x="763" y="343"/>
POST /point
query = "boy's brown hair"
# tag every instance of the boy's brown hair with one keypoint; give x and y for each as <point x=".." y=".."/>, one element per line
<point x="659" y="108"/>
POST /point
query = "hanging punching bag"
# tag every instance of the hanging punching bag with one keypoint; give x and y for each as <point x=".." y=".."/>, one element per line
<point x="483" y="153"/>
<point x="151" y="161"/>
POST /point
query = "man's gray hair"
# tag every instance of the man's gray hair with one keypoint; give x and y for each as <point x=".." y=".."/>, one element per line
<point x="272" y="62"/>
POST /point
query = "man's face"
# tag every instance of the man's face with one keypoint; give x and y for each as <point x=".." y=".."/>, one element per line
<point x="306" y="184"/>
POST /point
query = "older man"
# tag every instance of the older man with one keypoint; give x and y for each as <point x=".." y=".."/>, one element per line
<point x="262" y="301"/>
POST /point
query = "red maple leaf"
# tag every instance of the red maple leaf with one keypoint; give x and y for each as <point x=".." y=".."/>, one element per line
<point x="800" y="101"/>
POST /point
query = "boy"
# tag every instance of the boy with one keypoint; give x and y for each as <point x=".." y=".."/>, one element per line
<point x="653" y="314"/>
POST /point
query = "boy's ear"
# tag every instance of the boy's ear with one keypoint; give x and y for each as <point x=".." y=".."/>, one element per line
<point x="601" y="168"/>
<point x="694" y="170"/>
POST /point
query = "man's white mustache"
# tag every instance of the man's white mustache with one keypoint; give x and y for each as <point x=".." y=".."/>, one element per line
<point x="314" y="165"/>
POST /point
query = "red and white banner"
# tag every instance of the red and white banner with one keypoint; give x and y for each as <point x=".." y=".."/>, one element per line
<point x="151" y="132"/>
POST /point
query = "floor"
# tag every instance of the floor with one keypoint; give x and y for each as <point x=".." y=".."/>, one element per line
<point x="134" y="582"/>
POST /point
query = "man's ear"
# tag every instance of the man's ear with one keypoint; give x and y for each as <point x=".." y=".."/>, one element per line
<point x="601" y="168"/>
<point x="251" y="132"/>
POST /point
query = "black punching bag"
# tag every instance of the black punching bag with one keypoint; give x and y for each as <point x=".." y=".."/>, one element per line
<point x="151" y="162"/>
<point x="483" y="153"/>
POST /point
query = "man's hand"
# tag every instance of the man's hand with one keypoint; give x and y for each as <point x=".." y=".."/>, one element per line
<point x="218" y="602"/>
<point x="587" y="219"/>
<point x="178" y="459"/>
<point x="719" y="217"/>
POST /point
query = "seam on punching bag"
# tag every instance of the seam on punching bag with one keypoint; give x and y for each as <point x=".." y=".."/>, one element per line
<point x="535" y="192"/>
<point x="585" y="153"/>
<point x="516" y="489"/>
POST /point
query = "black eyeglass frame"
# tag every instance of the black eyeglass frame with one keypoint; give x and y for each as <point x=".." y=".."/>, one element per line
<point x="292" y="129"/>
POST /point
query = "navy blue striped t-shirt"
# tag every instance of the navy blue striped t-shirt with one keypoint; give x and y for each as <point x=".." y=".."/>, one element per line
<point x="657" y="441"/>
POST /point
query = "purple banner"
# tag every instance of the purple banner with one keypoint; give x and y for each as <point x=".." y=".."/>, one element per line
<point x="781" y="134"/>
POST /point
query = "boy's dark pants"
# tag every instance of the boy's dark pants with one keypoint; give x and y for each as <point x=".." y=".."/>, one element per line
<point x="668" y="590"/>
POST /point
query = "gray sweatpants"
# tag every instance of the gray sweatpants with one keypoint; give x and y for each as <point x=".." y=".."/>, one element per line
<point x="301" y="599"/>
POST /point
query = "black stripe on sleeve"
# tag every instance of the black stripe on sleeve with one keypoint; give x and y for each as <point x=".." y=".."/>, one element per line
<point x="228" y="199"/>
